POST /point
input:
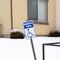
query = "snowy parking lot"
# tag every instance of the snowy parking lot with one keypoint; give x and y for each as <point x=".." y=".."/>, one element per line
<point x="20" y="49"/>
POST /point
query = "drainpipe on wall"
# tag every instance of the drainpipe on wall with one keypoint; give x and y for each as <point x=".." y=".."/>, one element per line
<point x="11" y="10"/>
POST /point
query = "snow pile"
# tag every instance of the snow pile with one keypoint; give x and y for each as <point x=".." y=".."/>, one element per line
<point x="16" y="30"/>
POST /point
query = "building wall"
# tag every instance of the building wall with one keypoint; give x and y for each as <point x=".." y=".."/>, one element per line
<point x="45" y="29"/>
<point x="20" y="14"/>
<point x="5" y="16"/>
<point x="58" y="15"/>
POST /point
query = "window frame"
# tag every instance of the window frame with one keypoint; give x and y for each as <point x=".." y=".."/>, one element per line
<point x="36" y="22"/>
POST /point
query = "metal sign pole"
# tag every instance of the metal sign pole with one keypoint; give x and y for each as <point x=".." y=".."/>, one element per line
<point x="33" y="49"/>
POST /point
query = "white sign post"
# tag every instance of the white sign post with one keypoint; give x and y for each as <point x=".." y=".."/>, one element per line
<point x="29" y="32"/>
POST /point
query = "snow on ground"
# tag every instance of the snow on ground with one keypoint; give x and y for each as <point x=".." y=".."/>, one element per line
<point x="20" y="49"/>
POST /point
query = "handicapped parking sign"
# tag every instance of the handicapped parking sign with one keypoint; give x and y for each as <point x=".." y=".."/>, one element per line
<point x="29" y="32"/>
<point x="29" y="29"/>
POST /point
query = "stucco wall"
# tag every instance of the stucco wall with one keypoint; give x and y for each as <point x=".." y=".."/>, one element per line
<point x="58" y="15"/>
<point x="20" y="14"/>
<point x="5" y="16"/>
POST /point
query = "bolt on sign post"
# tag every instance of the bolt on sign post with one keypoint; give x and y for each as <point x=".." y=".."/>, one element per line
<point x="29" y="32"/>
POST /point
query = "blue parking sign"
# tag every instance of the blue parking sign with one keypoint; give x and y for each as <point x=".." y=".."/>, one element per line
<point x="29" y="29"/>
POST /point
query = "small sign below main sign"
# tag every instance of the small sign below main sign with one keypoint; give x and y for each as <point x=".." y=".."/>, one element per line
<point x="29" y="29"/>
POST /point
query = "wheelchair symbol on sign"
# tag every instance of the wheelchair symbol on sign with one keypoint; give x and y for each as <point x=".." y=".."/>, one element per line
<point x="29" y="34"/>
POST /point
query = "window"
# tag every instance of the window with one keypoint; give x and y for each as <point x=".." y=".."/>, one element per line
<point x="38" y="10"/>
